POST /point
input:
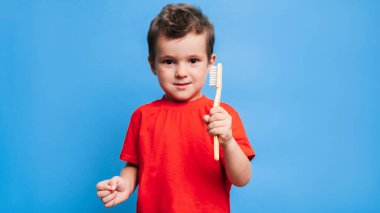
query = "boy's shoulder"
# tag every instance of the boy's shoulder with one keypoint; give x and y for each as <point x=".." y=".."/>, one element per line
<point x="231" y="110"/>
<point x="224" y="105"/>
<point x="227" y="106"/>
<point x="147" y="107"/>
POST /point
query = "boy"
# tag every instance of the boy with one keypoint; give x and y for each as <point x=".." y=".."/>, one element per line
<point x="168" y="147"/>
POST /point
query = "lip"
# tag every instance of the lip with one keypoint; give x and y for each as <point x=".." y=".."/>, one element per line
<point x="181" y="86"/>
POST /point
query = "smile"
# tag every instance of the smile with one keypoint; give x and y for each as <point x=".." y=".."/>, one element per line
<point x="181" y="86"/>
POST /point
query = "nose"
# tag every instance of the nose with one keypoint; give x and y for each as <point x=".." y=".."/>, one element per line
<point x="181" y="71"/>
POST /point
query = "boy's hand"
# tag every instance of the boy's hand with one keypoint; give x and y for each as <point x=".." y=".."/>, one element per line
<point x="113" y="191"/>
<point x="219" y="123"/>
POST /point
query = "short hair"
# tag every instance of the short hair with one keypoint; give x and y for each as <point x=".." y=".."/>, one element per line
<point x="176" y="21"/>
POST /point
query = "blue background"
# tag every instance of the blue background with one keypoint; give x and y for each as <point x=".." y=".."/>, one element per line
<point x="304" y="76"/>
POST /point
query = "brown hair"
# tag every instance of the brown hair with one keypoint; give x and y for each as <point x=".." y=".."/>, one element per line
<point x="176" y="21"/>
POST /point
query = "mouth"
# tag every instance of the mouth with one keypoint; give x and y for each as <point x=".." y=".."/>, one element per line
<point x="181" y="86"/>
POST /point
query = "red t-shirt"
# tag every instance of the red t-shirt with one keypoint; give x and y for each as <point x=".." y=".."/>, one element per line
<point x="177" y="171"/>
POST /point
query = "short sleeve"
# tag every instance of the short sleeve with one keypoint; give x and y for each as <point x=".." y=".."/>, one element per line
<point x="129" y="151"/>
<point x="239" y="134"/>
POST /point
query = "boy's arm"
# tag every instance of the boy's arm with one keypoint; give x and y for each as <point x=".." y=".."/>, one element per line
<point x="237" y="165"/>
<point x="130" y="173"/>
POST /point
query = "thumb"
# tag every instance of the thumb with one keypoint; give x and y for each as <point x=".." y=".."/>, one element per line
<point x="114" y="182"/>
<point x="206" y="118"/>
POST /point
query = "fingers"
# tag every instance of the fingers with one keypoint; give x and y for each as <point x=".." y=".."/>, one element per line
<point x="216" y="124"/>
<point x="109" y="197"/>
<point x="105" y="193"/>
<point x="110" y="204"/>
<point x="206" y="118"/>
<point x="220" y="131"/>
<point x="217" y="117"/>
<point x="217" y="109"/>
<point x="102" y="194"/>
<point x="103" y="185"/>
<point x="111" y="191"/>
<point x="219" y="123"/>
<point x="115" y="199"/>
<point x="218" y="114"/>
<point x="218" y="120"/>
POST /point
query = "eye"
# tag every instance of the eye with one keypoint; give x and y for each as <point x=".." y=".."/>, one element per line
<point x="168" y="61"/>
<point x="193" y="60"/>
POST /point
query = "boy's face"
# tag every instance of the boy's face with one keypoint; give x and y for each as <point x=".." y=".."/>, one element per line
<point x="181" y="66"/>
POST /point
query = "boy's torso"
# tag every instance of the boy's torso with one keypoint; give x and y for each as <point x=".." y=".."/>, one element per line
<point x="177" y="170"/>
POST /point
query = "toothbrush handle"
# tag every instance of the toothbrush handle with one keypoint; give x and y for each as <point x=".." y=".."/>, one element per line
<point x="216" y="139"/>
<point x="216" y="148"/>
<point x="218" y="96"/>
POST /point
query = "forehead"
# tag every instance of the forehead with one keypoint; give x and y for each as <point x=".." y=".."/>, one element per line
<point x="191" y="44"/>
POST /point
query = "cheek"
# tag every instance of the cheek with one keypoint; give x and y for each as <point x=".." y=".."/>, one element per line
<point x="202" y="78"/>
<point x="204" y="73"/>
<point x="163" y="77"/>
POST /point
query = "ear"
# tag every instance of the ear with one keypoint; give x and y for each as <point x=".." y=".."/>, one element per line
<point x="211" y="62"/>
<point x="152" y="66"/>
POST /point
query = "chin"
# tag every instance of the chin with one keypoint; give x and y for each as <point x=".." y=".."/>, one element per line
<point x="181" y="98"/>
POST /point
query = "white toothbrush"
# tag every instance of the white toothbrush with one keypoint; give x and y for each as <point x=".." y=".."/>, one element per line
<point x="216" y="80"/>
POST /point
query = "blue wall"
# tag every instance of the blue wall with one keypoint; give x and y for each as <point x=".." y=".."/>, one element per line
<point x="304" y="76"/>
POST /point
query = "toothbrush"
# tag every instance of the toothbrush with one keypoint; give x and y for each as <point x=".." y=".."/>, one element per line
<point x="216" y="80"/>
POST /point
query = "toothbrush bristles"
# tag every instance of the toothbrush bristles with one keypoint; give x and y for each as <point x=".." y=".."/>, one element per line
<point x="212" y="77"/>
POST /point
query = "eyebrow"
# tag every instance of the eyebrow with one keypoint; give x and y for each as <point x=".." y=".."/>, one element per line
<point x="195" y="56"/>
<point x="166" y="56"/>
<point x="190" y="56"/>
